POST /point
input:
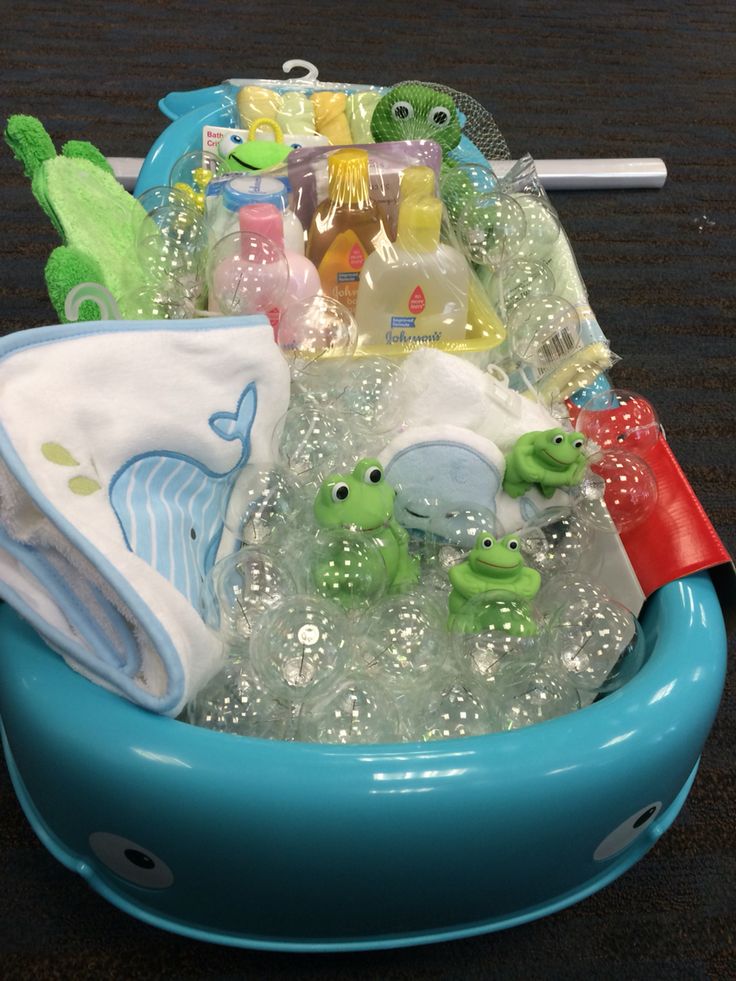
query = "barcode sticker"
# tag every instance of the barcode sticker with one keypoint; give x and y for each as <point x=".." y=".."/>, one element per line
<point x="558" y="346"/>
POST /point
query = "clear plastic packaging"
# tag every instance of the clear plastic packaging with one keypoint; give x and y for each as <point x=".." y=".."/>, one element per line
<point x="225" y="198"/>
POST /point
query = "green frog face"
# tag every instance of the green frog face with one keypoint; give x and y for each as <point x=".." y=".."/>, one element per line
<point x="494" y="559"/>
<point x="362" y="500"/>
<point x="240" y="154"/>
<point x="555" y="449"/>
<point x="411" y="111"/>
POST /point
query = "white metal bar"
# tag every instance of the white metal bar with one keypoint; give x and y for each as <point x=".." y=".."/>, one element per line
<point x="621" y="172"/>
<point x="615" y="172"/>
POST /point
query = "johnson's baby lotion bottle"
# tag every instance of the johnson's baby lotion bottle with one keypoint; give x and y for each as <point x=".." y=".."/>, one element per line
<point x="416" y="291"/>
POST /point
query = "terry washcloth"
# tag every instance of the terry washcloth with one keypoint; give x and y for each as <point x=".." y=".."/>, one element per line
<point x="120" y="445"/>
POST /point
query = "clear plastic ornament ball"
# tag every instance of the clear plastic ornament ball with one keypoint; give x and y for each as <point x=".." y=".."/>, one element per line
<point x="176" y="221"/>
<point x="347" y="567"/>
<point x="172" y="245"/>
<point x="498" y="611"/>
<point x="237" y="701"/>
<point x="164" y="300"/>
<point x="483" y="653"/>
<point x="525" y="694"/>
<point x="543" y="330"/>
<point x="617" y="419"/>
<point x="300" y="643"/>
<point x="522" y="279"/>
<point x="460" y="524"/>
<point x="555" y="542"/>
<point x="403" y="637"/>
<point x="447" y="531"/>
<point x="542" y="228"/>
<point x="600" y="649"/>
<point x="313" y="331"/>
<point x="315" y="442"/>
<point x="456" y="712"/>
<point x="462" y="183"/>
<point x="569" y="590"/>
<point x="491" y="228"/>
<point x="367" y="392"/>
<point x="159" y="197"/>
<point x="630" y="493"/>
<point x="240" y="588"/>
<point x="262" y="501"/>
<point x="247" y="274"/>
<point x="358" y="709"/>
<point x="195" y="170"/>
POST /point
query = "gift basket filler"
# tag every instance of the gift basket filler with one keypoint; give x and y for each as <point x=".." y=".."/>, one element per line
<point x="351" y="605"/>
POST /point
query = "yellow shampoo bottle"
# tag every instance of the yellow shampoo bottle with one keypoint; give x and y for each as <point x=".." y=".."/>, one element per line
<point x="346" y="227"/>
<point x="414" y="293"/>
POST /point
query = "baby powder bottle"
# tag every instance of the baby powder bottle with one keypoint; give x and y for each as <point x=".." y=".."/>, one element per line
<point x="246" y="189"/>
<point x="346" y="227"/>
<point x="415" y="293"/>
<point x="266" y="220"/>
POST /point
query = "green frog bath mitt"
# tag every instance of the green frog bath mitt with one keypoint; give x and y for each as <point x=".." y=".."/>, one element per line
<point x="94" y="215"/>
<point x="412" y="111"/>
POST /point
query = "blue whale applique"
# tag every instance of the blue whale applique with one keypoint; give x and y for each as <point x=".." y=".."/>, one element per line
<point x="171" y="507"/>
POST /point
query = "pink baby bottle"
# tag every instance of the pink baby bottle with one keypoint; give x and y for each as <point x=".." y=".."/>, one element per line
<point x="267" y="220"/>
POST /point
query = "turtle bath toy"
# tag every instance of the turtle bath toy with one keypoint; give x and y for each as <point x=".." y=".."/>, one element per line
<point x="253" y="154"/>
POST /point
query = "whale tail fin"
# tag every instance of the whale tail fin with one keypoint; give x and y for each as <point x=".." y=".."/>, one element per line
<point x="238" y="424"/>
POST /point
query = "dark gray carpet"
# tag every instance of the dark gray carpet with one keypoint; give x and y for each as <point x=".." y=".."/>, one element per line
<point x="563" y="80"/>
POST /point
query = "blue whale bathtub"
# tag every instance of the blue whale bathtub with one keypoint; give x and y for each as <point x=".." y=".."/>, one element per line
<point x="301" y="847"/>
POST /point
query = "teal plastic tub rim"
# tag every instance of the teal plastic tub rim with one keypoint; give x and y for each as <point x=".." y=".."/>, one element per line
<point x="658" y="721"/>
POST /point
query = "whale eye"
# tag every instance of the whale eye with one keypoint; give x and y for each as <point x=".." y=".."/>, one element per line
<point x="373" y="475"/>
<point x="512" y="544"/>
<point x="130" y="860"/>
<point x="559" y="438"/>
<point x="193" y="534"/>
<point x="402" y="110"/>
<point x="439" y="116"/>
<point x="236" y="139"/>
<point x="487" y="542"/>
<point x="340" y="492"/>
<point x="296" y="146"/>
<point x="627" y="832"/>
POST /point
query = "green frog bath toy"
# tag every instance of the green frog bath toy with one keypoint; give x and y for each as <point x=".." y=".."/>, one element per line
<point x="550" y="458"/>
<point x="494" y="567"/>
<point x="363" y="503"/>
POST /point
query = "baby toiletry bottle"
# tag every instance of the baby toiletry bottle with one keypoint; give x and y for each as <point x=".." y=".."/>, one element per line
<point x="228" y="197"/>
<point x="416" y="181"/>
<point x="346" y="227"/>
<point x="385" y="195"/>
<point x="416" y="292"/>
<point x="266" y="220"/>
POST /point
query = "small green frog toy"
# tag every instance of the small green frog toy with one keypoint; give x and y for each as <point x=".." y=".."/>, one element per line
<point x="550" y="458"/>
<point x="495" y="567"/>
<point x="364" y="503"/>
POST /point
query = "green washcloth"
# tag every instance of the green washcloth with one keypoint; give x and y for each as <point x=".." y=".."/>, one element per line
<point x="94" y="215"/>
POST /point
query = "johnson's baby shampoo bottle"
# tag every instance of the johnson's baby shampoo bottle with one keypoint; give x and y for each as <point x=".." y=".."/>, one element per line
<point x="346" y="227"/>
<point x="416" y="292"/>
